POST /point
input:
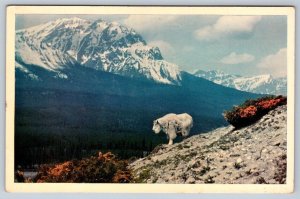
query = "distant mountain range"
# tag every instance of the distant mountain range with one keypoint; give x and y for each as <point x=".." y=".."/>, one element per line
<point x="262" y="84"/>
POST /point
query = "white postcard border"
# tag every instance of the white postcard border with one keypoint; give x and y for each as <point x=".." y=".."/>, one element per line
<point x="11" y="186"/>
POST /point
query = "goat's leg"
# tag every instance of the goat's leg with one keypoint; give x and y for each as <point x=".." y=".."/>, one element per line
<point x="172" y="135"/>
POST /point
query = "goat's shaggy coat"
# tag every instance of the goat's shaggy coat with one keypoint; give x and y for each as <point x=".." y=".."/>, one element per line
<point x="173" y="125"/>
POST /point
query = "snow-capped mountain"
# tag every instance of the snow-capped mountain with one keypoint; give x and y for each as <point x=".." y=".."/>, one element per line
<point x="262" y="84"/>
<point x="100" y="45"/>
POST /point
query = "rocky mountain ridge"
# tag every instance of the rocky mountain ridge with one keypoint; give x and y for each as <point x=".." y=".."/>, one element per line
<point x="255" y="154"/>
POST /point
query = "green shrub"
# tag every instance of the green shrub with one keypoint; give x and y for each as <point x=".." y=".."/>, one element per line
<point x="144" y="176"/>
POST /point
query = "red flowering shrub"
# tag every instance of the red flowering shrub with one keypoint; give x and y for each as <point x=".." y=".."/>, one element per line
<point x="102" y="169"/>
<point x="248" y="112"/>
<point x="270" y="104"/>
<point x="252" y="110"/>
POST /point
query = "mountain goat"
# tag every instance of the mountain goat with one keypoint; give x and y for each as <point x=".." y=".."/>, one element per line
<point x="173" y="125"/>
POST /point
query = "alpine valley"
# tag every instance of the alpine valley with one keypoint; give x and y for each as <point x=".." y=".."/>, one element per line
<point x="83" y="86"/>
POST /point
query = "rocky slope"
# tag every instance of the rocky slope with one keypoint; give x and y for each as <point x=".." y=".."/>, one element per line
<point x="254" y="154"/>
<point x="262" y="84"/>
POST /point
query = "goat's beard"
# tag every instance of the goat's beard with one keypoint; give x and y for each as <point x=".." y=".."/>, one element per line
<point x="156" y="130"/>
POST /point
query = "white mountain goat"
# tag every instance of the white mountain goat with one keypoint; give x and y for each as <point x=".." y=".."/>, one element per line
<point x="173" y="125"/>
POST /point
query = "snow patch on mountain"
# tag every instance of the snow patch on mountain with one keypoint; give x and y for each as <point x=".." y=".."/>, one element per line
<point x="61" y="75"/>
<point x="251" y="83"/>
<point x="26" y="71"/>
<point x="262" y="84"/>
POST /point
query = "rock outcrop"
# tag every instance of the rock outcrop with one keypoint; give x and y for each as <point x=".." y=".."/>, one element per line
<point x="255" y="154"/>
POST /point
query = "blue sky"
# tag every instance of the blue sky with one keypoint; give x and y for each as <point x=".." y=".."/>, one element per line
<point x="245" y="45"/>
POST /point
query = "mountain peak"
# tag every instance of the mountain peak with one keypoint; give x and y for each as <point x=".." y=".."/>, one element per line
<point x="101" y="45"/>
<point x="265" y="76"/>
<point x="69" y="19"/>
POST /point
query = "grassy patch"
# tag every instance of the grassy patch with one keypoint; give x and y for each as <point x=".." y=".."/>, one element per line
<point x="143" y="176"/>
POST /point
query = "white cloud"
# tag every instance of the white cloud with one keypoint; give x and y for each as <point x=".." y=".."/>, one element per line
<point x="227" y="25"/>
<point x="275" y="64"/>
<point x="148" y="22"/>
<point x="165" y="47"/>
<point x="234" y="58"/>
